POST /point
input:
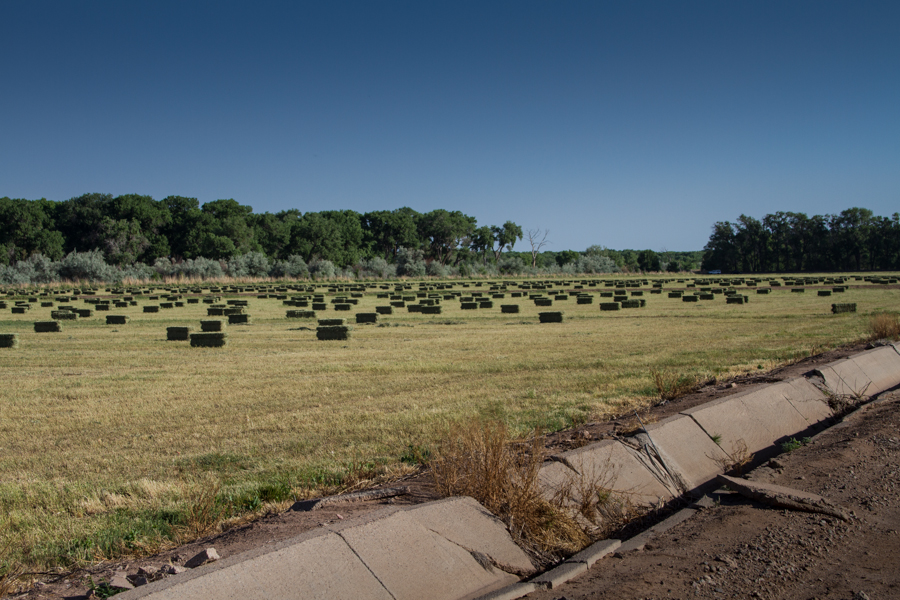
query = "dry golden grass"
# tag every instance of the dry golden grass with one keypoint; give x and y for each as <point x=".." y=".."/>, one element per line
<point x="885" y="326"/>
<point x="480" y="460"/>
<point x="106" y="430"/>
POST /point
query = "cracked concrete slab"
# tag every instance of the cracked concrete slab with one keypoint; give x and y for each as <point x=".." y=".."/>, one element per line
<point x="465" y="522"/>
<point x="609" y="464"/>
<point x="806" y="398"/>
<point x="881" y="366"/>
<point x="414" y="562"/>
<point x="303" y="567"/>
<point x="686" y="450"/>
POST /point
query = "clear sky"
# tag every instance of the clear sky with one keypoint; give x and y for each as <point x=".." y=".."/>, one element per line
<point x="630" y="124"/>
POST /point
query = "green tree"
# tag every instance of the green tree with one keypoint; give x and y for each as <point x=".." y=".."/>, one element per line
<point x="566" y="257"/>
<point x="648" y="260"/>
<point x="27" y="228"/>
<point x="505" y="237"/>
<point x="388" y="231"/>
<point x="443" y="232"/>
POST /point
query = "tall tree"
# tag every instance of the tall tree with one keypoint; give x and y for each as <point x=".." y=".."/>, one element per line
<point x="26" y="228"/>
<point x="388" y="231"/>
<point x="443" y="232"/>
<point x="505" y="237"/>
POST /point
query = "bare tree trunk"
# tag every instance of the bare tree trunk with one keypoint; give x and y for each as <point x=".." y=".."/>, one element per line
<point x="537" y="242"/>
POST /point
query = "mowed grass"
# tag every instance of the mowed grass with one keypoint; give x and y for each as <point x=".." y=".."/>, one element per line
<point x="109" y="434"/>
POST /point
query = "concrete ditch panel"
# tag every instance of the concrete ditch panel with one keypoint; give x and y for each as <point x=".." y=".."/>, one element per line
<point x="881" y="366"/>
<point x="735" y="423"/>
<point x="413" y="562"/>
<point x="465" y="522"/>
<point x="609" y="464"/>
<point x="425" y="551"/>
<point x="687" y="450"/>
<point x="806" y="398"/>
<point x="845" y="378"/>
<point x="320" y="567"/>
<point x="770" y="406"/>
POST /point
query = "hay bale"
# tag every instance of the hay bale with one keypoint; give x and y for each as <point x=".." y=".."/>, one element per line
<point x="63" y="315"/>
<point x="116" y="319"/>
<point x="233" y="310"/>
<point x="342" y="306"/>
<point x="509" y="308"/>
<point x="332" y="322"/>
<point x="798" y="290"/>
<point x="384" y="310"/>
<point x="631" y="304"/>
<point x="20" y="310"/>
<point x="432" y="310"/>
<point x="47" y="326"/>
<point x="178" y="334"/>
<point x="690" y="298"/>
<point x="543" y="302"/>
<point x="585" y="299"/>
<point x="319" y="306"/>
<point x="675" y="294"/>
<point x="239" y="319"/>
<point x="824" y="293"/>
<point x="610" y="306"/>
<point x="151" y="308"/>
<point x="212" y="325"/>
<point x="209" y="340"/>
<point x="9" y="340"/>
<point x="367" y="317"/>
<point x="301" y="314"/>
<point x="734" y="300"/>
<point x="468" y="305"/>
<point x="551" y="317"/>
<point x="843" y="307"/>
<point x="486" y="304"/>
<point x="161" y="305"/>
<point x="333" y="332"/>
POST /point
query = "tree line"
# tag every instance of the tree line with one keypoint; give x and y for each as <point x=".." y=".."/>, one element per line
<point x="854" y="240"/>
<point x="105" y="237"/>
<point x="134" y="228"/>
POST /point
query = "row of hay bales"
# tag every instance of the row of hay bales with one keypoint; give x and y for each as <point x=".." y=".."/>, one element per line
<point x="174" y="294"/>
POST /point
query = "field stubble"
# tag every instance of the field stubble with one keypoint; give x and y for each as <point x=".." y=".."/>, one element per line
<point x="110" y="434"/>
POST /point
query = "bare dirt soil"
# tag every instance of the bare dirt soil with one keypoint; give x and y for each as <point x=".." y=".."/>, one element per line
<point x="740" y="549"/>
<point x="736" y="549"/>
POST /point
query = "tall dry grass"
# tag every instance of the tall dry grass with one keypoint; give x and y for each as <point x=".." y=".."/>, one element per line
<point x="479" y="459"/>
<point x="885" y="326"/>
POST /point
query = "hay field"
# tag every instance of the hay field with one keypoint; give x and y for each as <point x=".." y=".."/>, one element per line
<point x="110" y="434"/>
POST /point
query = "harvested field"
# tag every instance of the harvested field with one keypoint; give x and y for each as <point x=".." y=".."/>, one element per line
<point x="109" y="435"/>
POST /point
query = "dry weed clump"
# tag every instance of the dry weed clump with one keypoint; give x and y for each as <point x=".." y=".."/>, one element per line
<point x="203" y="511"/>
<point x="885" y="326"/>
<point x="671" y="385"/>
<point x="480" y="460"/>
<point x="10" y="570"/>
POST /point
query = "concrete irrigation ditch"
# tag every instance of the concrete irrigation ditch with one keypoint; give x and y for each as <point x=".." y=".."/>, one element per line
<point x="455" y="549"/>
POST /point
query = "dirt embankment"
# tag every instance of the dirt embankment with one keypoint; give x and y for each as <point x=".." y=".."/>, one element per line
<point x="740" y="549"/>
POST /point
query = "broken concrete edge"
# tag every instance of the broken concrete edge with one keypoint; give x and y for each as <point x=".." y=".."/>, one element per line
<point x="318" y="503"/>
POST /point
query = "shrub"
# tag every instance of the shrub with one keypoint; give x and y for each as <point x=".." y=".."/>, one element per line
<point x="480" y="460"/>
<point x="885" y="326"/>
<point x="293" y="266"/>
<point x="322" y="269"/>
<point x="411" y="262"/>
<point x="251" y="264"/>
<point x="88" y="266"/>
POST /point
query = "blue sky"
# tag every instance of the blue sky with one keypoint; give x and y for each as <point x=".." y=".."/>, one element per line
<point x="625" y="124"/>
